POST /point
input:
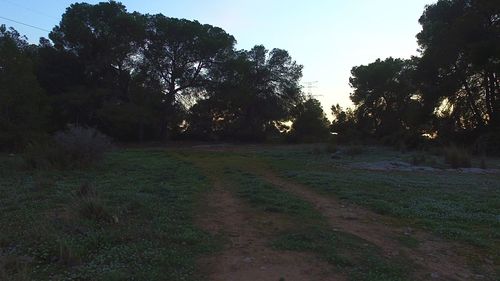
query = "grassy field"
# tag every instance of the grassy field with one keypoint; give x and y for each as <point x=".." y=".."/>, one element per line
<point x="136" y="224"/>
<point x="457" y="206"/>
<point x="133" y="217"/>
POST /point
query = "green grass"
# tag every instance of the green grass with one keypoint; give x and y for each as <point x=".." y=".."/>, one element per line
<point x="310" y="232"/>
<point x="268" y="198"/>
<point x="150" y="197"/>
<point x="457" y="206"/>
<point x="137" y="222"/>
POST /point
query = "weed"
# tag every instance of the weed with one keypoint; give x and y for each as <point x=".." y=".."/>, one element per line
<point x="92" y="208"/>
<point x="67" y="255"/>
<point x="86" y="190"/>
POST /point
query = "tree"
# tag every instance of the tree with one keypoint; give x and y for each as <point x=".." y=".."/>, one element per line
<point x="344" y="124"/>
<point x="310" y="123"/>
<point x="386" y="99"/>
<point x="460" y="65"/>
<point x="91" y="65"/>
<point x="23" y="106"/>
<point x="178" y="54"/>
<point x="250" y="94"/>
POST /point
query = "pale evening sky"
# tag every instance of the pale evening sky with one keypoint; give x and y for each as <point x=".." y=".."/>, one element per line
<point x="328" y="37"/>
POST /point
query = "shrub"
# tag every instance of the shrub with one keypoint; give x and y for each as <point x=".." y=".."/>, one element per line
<point x="76" y="147"/>
<point x="82" y="145"/>
<point x="67" y="255"/>
<point x="457" y="157"/>
<point x="92" y="208"/>
<point x="43" y="155"/>
<point x="89" y="206"/>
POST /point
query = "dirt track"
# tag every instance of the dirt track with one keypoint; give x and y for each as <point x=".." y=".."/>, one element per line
<point x="436" y="259"/>
<point x="249" y="257"/>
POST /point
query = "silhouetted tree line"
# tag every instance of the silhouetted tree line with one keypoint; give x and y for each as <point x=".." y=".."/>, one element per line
<point x="451" y="92"/>
<point x="141" y="77"/>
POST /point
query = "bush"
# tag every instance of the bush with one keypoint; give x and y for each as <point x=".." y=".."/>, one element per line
<point x="82" y="145"/>
<point x="43" y="155"/>
<point x="89" y="206"/>
<point x="76" y="147"/>
<point x="457" y="157"/>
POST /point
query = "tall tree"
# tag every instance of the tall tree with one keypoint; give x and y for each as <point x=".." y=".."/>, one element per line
<point x="23" y="104"/>
<point x="460" y="65"/>
<point x="250" y="93"/>
<point x="310" y="123"/>
<point x="386" y="99"/>
<point x="178" y="54"/>
<point x="99" y="45"/>
<point x="344" y="124"/>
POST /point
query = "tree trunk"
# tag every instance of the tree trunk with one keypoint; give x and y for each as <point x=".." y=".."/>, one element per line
<point x="472" y="105"/>
<point x="494" y="103"/>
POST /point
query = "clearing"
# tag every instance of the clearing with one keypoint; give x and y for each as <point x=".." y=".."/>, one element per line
<point x="249" y="213"/>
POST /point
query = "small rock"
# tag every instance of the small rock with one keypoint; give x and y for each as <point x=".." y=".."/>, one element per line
<point x="248" y="259"/>
<point x="434" y="275"/>
<point x="408" y="231"/>
<point x="478" y="277"/>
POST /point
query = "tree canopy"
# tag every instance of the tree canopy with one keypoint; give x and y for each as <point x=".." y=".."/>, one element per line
<point x="23" y="106"/>
<point x="140" y="77"/>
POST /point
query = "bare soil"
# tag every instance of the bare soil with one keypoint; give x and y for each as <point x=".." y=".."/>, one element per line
<point x="248" y="256"/>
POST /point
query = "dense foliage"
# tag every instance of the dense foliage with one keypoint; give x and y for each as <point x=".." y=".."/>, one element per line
<point x="139" y="77"/>
<point x="142" y="77"/>
<point x="450" y="92"/>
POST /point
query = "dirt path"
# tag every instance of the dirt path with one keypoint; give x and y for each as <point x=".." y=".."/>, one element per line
<point x="247" y="256"/>
<point x="436" y="259"/>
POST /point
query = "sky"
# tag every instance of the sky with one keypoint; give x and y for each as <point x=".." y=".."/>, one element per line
<point x="328" y="37"/>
